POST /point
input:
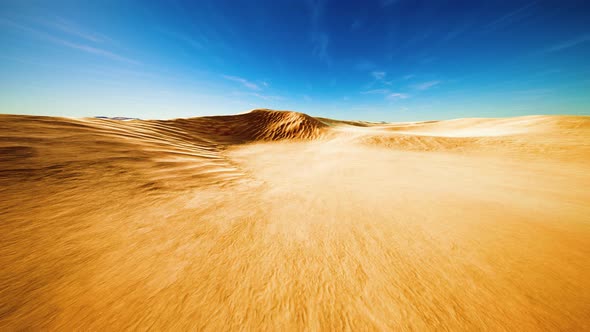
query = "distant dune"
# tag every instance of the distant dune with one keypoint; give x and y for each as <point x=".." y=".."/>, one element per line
<point x="276" y="220"/>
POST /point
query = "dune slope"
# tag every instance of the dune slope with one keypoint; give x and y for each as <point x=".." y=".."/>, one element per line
<point x="276" y="220"/>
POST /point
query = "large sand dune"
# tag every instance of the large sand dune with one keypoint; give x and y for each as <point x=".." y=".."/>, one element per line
<point x="280" y="221"/>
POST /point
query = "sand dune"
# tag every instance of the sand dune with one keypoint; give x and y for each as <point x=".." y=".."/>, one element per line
<point x="276" y="220"/>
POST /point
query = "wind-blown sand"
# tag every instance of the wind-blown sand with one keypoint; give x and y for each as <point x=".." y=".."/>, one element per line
<point x="280" y="221"/>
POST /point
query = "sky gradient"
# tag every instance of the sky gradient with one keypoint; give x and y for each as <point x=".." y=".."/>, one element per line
<point x="381" y="60"/>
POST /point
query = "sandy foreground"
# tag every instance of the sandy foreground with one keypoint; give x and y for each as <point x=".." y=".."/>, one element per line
<point x="279" y="221"/>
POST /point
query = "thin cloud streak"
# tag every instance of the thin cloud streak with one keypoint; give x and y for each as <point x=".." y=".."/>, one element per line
<point x="509" y="18"/>
<point x="76" y="46"/>
<point x="74" y="30"/>
<point x="426" y="85"/>
<point x="242" y="81"/>
<point x="396" y="96"/>
<point x="378" y="75"/>
<point x="569" y="43"/>
<point x="375" y="91"/>
<point x="319" y="38"/>
<point x="95" y="51"/>
<point x="188" y="40"/>
<point x="388" y="94"/>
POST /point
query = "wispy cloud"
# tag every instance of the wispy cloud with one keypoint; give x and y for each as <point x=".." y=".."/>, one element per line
<point x="426" y="85"/>
<point x="73" y="45"/>
<point x="378" y="75"/>
<point x="319" y="38"/>
<point x="569" y="43"/>
<point x="379" y="78"/>
<point x="456" y="32"/>
<point x="388" y="94"/>
<point x="243" y="81"/>
<point x="95" y="51"/>
<point x="376" y="91"/>
<point x="185" y="39"/>
<point x="509" y="18"/>
<point x="75" y="30"/>
<point x="396" y="96"/>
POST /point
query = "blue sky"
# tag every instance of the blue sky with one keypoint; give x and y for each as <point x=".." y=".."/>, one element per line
<point x="376" y="60"/>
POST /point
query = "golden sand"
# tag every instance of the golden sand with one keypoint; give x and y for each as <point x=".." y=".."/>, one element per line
<point x="280" y="221"/>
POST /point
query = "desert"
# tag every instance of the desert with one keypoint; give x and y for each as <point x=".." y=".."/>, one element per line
<point x="278" y="220"/>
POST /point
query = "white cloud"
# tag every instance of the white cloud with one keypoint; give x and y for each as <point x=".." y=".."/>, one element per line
<point x="72" y="29"/>
<point x="376" y="91"/>
<point x="96" y="51"/>
<point x="63" y="42"/>
<point x="426" y="85"/>
<point x="243" y="81"/>
<point x="319" y="38"/>
<point x="321" y="41"/>
<point x="388" y="94"/>
<point x="395" y="96"/>
<point x="569" y="43"/>
<point x="509" y="18"/>
<point x="378" y="75"/>
<point x="186" y="39"/>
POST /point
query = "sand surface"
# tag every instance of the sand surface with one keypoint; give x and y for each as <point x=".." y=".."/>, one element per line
<point x="280" y="221"/>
